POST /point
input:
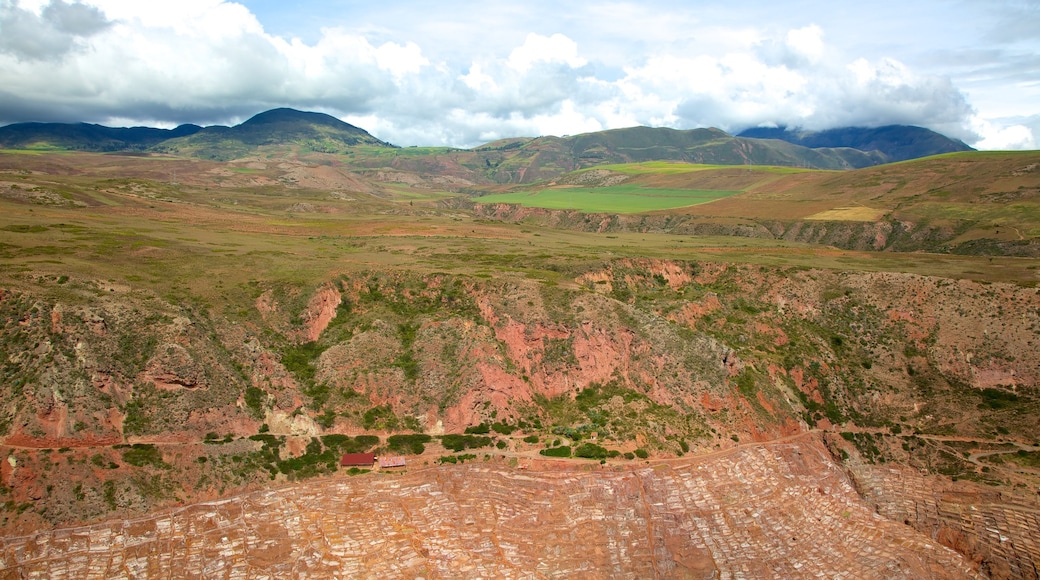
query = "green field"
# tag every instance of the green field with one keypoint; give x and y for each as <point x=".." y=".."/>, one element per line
<point x="616" y="199"/>
<point x="677" y="167"/>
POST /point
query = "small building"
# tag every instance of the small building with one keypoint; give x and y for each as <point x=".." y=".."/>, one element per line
<point x="357" y="459"/>
<point x="391" y="461"/>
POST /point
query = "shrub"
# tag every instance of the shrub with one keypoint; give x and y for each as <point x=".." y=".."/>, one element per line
<point x="503" y="428"/>
<point x="297" y="359"/>
<point x="413" y="444"/>
<point x="563" y="451"/>
<point x="590" y="451"/>
<point x="381" y="417"/>
<point x="531" y="439"/>
<point x="256" y="399"/>
<point x="482" y="429"/>
<point x="641" y="453"/>
<point x="457" y="442"/>
<point x="141" y="454"/>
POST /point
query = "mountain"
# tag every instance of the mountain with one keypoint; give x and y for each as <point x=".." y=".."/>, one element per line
<point x="516" y="160"/>
<point x="278" y="127"/>
<point x="526" y="160"/>
<point x="894" y="142"/>
<point x="87" y="137"/>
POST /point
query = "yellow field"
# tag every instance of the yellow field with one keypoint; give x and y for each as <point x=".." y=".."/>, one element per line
<point x="857" y="213"/>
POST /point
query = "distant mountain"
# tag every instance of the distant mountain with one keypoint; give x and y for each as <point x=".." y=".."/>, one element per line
<point x="515" y="160"/>
<point x="87" y="137"/>
<point x="895" y="142"/>
<point x="529" y="160"/>
<point x="277" y="127"/>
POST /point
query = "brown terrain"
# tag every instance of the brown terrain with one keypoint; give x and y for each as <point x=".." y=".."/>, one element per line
<point x="766" y="510"/>
<point x="183" y="364"/>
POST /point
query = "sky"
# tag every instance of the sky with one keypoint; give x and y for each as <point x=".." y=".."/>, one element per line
<point x="464" y="73"/>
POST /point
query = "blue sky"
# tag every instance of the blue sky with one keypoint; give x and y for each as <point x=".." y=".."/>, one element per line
<point x="463" y="73"/>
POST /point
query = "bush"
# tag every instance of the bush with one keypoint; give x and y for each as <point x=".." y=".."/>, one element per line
<point x="564" y="451"/>
<point x="482" y="429"/>
<point x="298" y="360"/>
<point x="590" y="451"/>
<point x="457" y="442"/>
<point x="381" y="417"/>
<point x="256" y="399"/>
<point x="641" y="453"/>
<point x="531" y="439"/>
<point x="367" y="441"/>
<point x="503" y="428"/>
<point x="141" y="454"/>
<point x="413" y="444"/>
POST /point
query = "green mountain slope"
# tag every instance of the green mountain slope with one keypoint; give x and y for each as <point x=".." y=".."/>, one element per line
<point x="304" y="131"/>
<point x="547" y="157"/>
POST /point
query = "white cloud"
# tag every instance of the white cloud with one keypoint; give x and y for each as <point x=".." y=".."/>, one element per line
<point x="807" y="42"/>
<point x="1005" y="135"/>
<point x="624" y="64"/>
<point x="541" y="49"/>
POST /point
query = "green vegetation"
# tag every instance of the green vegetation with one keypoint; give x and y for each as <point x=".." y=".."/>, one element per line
<point x="453" y="459"/>
<point x="482" y="429"/>
<point x="591" y="451"/>
<point x="503" y="428"/>
<point x="614" y="199"/>
<point x="676" y="167"/>
<point x="562" y="451"/>
<point x="460" y="442"/>
<point x="413" y="444"/>
<point x="380" y="418"/>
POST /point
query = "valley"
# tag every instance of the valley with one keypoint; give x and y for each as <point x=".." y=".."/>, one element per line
<point x="819" y="373"/>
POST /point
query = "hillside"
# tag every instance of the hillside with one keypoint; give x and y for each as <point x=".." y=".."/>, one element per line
<point x="893" y="142"/>
<point x="225" y="334"/>
<point x="963" y="203"/>
<point x="86" y="137"/>
<point x="302" y="131"/>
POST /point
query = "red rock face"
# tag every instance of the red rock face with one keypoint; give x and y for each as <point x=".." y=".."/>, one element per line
<point x="321" y="309"/>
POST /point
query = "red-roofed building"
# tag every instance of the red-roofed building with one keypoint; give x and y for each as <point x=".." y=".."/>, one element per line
<point x="358" y="459"/>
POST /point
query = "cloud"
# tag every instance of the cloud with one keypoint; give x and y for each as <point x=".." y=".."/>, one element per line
<point x="212" y="61"/>
<point x="50" y="33"/>
<point x="540" y="49"/>
<point x="807" y="42"/>
<point x="1014" y="133"/>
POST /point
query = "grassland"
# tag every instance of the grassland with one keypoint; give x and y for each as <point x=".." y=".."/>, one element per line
<point x="676" y="167"/>
<point x="615" y="199"/>
<point x="135" y="228"/>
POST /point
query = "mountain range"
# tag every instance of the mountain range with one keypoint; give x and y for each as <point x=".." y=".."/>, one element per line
<point x="509" y="160"/>
<point x="895" y="142"/>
